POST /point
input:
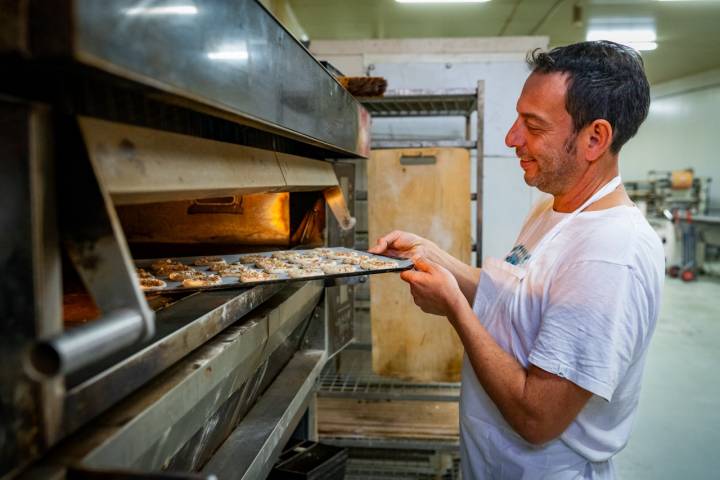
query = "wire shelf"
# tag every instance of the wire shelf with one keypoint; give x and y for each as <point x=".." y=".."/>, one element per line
<point x="423" y="103"/>
<point x="387" y="144"/>
<point x="393" y="444"/>
<point x="393" y="464"/>
<point x="374" y="387"/>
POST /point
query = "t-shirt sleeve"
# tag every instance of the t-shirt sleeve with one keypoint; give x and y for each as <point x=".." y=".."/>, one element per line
<point x="592" y="325"/>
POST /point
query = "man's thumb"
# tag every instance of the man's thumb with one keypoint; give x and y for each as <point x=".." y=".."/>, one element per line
<point x="422" y="264"/>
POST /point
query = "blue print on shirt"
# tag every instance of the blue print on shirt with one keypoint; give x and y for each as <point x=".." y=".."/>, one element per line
<point x="518" y="255"/>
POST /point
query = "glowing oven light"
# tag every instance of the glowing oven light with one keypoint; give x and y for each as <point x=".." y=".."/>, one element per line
<point x="279" y="213"/>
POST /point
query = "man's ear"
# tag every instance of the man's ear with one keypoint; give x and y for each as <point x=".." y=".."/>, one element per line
<point x="598" y="139"/>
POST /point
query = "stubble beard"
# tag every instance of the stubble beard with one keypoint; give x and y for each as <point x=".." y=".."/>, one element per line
<point x="560" y="169"/>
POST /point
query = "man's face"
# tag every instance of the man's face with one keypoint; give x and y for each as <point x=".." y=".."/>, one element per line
<point x="542" y="135"/>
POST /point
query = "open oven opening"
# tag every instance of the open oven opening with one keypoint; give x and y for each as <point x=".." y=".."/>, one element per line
<point x="233" y="224"/>
<point x="223" y="225"/>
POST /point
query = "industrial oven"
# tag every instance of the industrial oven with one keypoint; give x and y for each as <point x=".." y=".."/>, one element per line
<point x="142" y="129"/>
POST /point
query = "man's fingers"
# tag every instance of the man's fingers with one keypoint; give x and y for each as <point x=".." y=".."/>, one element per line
<point x="379" y="247"/>
<point x="417" y="275"/>
<point x="409" y="276"/>
<point x="422" y="264"/>
<point x="384" y="242"/>
<point x="413" y="276"/>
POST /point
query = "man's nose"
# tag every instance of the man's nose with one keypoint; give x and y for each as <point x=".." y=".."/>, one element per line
<point x="513" y="139"/>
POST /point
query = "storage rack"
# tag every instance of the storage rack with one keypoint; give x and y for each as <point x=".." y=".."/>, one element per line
<point x="406" y="103"/>
<point x="354" y="381"/>
<point x="438" y="103"/>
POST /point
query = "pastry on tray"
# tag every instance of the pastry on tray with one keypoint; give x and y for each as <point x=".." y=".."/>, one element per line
<point x="377" y="264"/>
<point x="302" y="273"/>
<point x="152" y="284"/>
<point x="181" y="275"/>
<point x="337" y="268"/>
<point x="163" y="267"/>
<point x="256" y="276"/>
<point x="201" y="261"/>
<point x="204" y="281"/>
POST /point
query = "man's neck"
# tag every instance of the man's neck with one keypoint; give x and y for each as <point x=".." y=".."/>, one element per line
<point x="581" y="191"/>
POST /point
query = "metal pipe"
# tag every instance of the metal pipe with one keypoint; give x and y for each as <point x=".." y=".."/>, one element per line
<point x="480" y="173"/>
<point x="84" y="345"/>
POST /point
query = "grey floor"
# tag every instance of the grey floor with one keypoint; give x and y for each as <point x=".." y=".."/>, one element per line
<point x="677" y="433"/>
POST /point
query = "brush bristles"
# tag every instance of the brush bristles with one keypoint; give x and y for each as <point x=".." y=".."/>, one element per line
<point x="364" y="86"/>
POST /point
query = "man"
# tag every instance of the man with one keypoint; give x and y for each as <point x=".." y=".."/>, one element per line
<point x="556" y="334"/>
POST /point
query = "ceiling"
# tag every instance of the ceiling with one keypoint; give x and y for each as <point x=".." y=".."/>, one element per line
<point x="688" y="32"/>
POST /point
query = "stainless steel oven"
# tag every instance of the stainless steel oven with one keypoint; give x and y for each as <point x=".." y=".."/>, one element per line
<point x="138" y="129"/>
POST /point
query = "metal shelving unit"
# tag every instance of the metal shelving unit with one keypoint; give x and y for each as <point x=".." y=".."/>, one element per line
<point x="438" y="103"/>
<point x="351" y="377"/>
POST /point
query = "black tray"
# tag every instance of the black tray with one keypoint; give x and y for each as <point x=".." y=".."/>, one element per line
<point x="311" y="461"/>
<point x="233" y="282"/>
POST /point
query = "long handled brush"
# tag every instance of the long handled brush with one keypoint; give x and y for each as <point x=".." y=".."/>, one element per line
<point x="364" y="86"/>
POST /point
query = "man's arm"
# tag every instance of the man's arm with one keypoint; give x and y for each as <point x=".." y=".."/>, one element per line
<point x="538" y="405"/>
<point x="408" y="245"/>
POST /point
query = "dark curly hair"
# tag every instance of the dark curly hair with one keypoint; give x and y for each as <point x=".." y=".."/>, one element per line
<point x="605" y="80"/>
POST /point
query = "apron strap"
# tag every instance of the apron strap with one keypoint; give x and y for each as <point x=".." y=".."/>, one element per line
<point x="605" y="190"/>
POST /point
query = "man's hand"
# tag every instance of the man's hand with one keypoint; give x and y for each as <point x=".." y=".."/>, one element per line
<point x="401" y="244"/>
<point x="408" y="245"/>
<point x="434" y="289"/>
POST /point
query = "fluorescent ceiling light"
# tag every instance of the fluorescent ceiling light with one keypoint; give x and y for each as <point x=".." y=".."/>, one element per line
<point x="442" y="1"/>
<point x="165" y="10"/>
<point x="635" y="33"/>
<point x="641" y="46"/>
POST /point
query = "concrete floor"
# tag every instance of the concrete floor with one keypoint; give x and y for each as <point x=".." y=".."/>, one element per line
<point x="677" y="433"/>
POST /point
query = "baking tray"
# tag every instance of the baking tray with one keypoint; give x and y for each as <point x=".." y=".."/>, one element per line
<point x="234" y="282"/>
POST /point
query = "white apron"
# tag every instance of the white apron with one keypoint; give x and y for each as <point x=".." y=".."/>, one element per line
<point x="490" y="448"/>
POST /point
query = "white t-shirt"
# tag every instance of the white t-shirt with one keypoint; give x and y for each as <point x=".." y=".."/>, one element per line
<point x="583" y="308"/>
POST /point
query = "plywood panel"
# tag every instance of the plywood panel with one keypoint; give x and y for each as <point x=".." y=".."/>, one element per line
<point x="433" y="201"/>
<point x="348" y="417"/>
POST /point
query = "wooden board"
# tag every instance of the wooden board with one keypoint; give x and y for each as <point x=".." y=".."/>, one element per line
<point x="433" y="201"/>
<point x="348" y="417"/>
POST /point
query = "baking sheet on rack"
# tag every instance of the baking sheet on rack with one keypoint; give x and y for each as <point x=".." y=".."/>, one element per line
<point x="234" y="282"/>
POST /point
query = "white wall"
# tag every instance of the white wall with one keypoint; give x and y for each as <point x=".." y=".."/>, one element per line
<point x="447" y="64"/>
<point x="682" y="130"/>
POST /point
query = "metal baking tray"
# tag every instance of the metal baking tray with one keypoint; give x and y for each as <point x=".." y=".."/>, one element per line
<point x="234" y="282"/>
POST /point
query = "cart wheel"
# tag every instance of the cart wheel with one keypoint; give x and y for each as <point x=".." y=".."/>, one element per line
<point x="687" y="276"/>
<point x="674" y="271"/>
